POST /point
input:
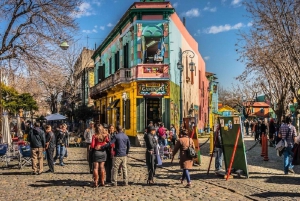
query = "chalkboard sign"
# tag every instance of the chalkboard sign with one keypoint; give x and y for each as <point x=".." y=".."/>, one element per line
<point x="229" y="129"/>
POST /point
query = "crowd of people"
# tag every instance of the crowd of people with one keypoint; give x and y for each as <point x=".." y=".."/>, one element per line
<point x="44" y="139"/>
<point x="276" y="132"/>
<point x="107" y="150"/>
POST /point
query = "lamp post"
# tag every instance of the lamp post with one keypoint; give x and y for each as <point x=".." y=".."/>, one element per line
<point x="124" y="97"/>
<point x="180" y="67"/>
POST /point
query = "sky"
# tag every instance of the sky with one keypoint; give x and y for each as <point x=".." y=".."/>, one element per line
<point x="215" y="24"/>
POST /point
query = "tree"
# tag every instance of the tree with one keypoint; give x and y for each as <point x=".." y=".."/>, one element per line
<point x="271" y="50"/>
<point x="84" y="113"/>
<point x="12" y="101"/>
<point x="30" y="29"/>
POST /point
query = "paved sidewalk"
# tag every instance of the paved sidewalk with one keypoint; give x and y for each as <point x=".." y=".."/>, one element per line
<point x="72" y="182"/>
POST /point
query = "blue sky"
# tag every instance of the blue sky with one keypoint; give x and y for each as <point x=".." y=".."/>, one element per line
<point x="215" y="25"/>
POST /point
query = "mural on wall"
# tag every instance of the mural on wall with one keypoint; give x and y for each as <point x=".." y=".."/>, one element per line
<point x="153" y="89"/>
<point x="151" y="39"/>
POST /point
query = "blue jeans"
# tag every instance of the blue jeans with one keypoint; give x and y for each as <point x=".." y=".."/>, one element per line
<point x="219" y="158"/>
<point x="186" y="174"/>
<point x="287" y="157"/>
<point x="247" y="130"/>
<point x="60" y="153"/>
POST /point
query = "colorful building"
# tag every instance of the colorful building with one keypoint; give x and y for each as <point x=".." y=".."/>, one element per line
<point x="138" y="59"/>
<point x="213" y="100"/>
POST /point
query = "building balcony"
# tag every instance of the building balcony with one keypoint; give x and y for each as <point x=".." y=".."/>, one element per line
<point x="126" y="75"/>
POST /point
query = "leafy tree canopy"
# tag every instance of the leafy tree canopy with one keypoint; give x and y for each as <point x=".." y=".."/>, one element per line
<point x="12" y="101"/>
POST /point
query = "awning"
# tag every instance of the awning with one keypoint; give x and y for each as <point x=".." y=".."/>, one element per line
<point x="113" y="104"/>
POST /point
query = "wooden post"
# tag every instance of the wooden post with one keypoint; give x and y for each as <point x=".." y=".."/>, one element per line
<point x="266" y="158"/>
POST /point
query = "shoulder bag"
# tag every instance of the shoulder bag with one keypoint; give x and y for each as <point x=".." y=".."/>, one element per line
<point x="191" y="152"/>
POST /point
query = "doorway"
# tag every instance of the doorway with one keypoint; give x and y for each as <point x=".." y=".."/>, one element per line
<point x="153" y="110"/>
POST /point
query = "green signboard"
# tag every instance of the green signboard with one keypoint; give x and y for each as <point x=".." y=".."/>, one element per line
<point x="230" y="127"/>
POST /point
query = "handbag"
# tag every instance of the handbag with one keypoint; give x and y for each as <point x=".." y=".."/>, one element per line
<point x="191" y="152"/>
<point x="282" y="144"/>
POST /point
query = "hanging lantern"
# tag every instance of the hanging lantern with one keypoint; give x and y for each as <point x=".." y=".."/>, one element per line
<point x="64" y="45"/>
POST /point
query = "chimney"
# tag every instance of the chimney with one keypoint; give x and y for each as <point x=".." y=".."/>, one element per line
<point x="183" y="21"/>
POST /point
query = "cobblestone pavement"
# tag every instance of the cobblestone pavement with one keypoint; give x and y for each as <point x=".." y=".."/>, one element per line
<point x="72" y="182"/>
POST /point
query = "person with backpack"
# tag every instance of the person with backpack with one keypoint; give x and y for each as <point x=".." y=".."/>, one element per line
<point x="185" y="162"/>
<point x="36" y="138"/>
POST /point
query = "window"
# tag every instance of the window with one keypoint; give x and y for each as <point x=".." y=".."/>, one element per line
<point x="199" y="80"/>
<point x="101" y="73"/>
<point x="117" y="61"/>
<point x="110" y="66"/>
<point x="125" y="55"/>
<point x="153" y="49"/>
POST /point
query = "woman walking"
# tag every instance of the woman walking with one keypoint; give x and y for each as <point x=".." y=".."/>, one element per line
<point x="99" y="157"/>
<point x="185" y="162"/>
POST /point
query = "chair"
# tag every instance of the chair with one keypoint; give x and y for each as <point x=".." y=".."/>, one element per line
<point x="24" y="156"/>
<point x="76" y="141"/>
<point x="3" y="154"/>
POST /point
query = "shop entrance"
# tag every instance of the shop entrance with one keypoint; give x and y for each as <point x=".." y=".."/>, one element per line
<point x="153" y="110"/>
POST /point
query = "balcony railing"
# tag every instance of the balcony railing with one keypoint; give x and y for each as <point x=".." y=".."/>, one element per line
<point x="139" y="72"/>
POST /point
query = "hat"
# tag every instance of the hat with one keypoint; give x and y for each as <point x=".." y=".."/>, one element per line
<point x="151" y="128"/>
<point x="91" y="122"/>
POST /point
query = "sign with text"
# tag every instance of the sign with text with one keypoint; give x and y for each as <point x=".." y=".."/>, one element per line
<point x="153" y="89"/>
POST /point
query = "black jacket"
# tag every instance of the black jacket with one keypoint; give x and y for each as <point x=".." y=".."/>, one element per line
<point x="51" y="139"/>
<point x="36" y="138"/>
<point x="62" y="138"/>
<point x="150" y="142"/>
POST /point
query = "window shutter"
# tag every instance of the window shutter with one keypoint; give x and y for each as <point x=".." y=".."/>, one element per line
<point x="140" y="115"/>
<point x="127" y="115"/>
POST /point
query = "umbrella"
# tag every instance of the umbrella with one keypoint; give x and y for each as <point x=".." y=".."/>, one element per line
<point x="56" y="116"/>
<point x="19" y="130"/>
<point x="6" y="137"/>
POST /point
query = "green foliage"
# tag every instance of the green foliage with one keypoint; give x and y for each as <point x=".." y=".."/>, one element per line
<point x="12" y="101"/>
<point x="84" y="112"/>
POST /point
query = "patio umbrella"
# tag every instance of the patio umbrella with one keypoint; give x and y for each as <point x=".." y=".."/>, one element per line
<point x="6" y="136"/>
<point x="53" y="117"/>
<point x="19" y="130"/>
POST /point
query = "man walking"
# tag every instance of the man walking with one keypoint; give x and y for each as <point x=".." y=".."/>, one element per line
<point x="150" y="154"/>
<point x="50" y="146"/>
<point x="122" y="146"/>
<point x="88" y="134"/>
<point x="36" y="138"/>
<point x="288" y="132"/>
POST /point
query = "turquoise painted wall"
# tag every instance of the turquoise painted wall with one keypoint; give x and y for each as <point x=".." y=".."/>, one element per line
<point x="175" y="47"/>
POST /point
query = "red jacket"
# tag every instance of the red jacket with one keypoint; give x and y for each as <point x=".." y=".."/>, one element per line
<point x="95" y="142"/>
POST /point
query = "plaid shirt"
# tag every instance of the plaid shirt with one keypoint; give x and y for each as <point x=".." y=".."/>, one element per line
<point x="284" y="128"/>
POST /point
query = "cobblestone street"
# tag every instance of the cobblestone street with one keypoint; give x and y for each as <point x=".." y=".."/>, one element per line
<point x="72" y="182"/>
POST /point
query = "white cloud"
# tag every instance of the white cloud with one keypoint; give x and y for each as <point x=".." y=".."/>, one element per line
<point x="86" y="31"/>
<point x="85" y="9"/>
<point x="206" y="58"/>
<point x="102" y="27"/>
<point x="207" y="8"/>
<point x="236" y="2"/>
<point x="194" y="12"/>
<point x="89" y="31"/>
<point x="249" y="24"/>
<point x="95" y="26"/>
<point x="223" y="28"/>
<point x="98" y="3"/>
<point x="175" y="5"/>
<point x="110" y="25"/>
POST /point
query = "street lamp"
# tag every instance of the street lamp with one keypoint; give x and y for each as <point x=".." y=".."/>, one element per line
<point x="180" y="68"/>
<point x="124" y="97"/>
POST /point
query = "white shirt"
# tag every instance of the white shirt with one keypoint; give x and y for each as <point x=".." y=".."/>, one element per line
<point x="88" y="134"/>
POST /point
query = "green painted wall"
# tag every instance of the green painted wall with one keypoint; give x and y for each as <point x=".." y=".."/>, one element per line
<point x="174" y="103"/>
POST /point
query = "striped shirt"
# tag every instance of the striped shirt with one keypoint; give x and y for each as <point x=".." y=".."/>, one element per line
<point x="284" y="129"/>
